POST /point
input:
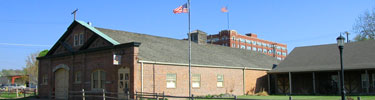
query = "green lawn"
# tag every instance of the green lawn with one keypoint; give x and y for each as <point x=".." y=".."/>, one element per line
<point x="282" y="97"/>
<point x="5" y="95"/>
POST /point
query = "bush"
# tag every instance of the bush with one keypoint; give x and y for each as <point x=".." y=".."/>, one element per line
<point x="263" y="93"/>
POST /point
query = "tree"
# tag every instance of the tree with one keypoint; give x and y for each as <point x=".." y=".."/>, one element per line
<point x="32" y="64"/>
<point x="365" y="26"/>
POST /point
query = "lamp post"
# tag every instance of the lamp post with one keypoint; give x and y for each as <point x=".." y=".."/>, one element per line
<point x="340" y="44"/>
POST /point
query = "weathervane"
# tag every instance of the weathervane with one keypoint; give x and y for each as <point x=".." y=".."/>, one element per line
<point x="74" y="12"/>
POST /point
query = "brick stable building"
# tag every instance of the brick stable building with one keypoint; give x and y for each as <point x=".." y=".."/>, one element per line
<point x="249" y="41"/>
<point x="93" y="59"/>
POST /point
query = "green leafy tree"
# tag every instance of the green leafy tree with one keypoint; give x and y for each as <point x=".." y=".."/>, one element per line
<point x="365" y="26"/>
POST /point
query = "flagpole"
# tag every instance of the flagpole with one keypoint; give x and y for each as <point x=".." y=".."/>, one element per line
<point x="228" y="19"/>
<point x="188" y="5"/>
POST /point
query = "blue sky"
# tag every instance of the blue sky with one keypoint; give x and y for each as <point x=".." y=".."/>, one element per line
<point x="30" y="26"/>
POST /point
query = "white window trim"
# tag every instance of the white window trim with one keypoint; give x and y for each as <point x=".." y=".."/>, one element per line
<point x="175" y="81"/>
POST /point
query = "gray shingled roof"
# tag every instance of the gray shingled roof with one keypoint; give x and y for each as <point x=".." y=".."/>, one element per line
<point x="161" y="49"/>
<point x="356" y="55"/>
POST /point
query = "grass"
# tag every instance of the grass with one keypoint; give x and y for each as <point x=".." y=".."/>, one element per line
<point x="13" y="96"/>
<point x="303" y="97"/>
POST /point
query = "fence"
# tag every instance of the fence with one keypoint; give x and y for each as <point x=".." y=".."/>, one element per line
<point x="19" y="92"/>
<point x="137" y="96"/>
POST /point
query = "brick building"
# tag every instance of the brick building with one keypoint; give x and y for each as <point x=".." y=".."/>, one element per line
<point x="93" y="59"/>
<point x="249" y="41"/>
<point x="316" y="70"/>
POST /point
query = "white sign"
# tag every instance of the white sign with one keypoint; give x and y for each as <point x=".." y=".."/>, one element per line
<point x="116" y="59"/>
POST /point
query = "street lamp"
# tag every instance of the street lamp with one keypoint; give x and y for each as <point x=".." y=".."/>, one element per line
<point x="340" y="44"/>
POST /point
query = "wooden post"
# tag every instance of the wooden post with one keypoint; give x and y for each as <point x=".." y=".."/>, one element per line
<point x="367" y="82"/>
<point x="290" y="83"/>
<point x="103" y="94"/>
<point x="136" y="95"/>
<point x="313" y="76"/>
<point x="163" y="96"/>
<point x="269" y="84"/>
<point x="192" y="96"/>
<point x="235" y="97"/>
<point x="24" y="93"/>
<point x="358" y="98"/>
<point x="290" y="97"/>
<point x="17" y="92"/>
<point x="128" y="98"/>
<point x="157" y="96"/>
<point x="83" y="94"/>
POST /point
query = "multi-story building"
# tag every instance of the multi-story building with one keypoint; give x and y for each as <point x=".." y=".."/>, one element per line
<point x="249" y="41"/>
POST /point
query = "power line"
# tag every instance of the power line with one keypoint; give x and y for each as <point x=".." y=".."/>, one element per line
<point x="25" y="45"/>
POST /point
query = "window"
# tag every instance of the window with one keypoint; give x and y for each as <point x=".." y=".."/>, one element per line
<point x="278" y="53"/>
<point x="243" y="47"/>
<point x="234" y="38"/>
<point x="278" y="58"/>
<point x="284" y="54"/>
<point x="254" y="42"/>
<point x="264" y="50"/>
<point x="373" y="80"/>
<point x="196" y="79"/>
<point x="171" y="80"/>
<point x="77" y="77"/>
<point x="98" y="79"/>
<point x="45" y="80"/>
<point x="81" y="39"/>
<point x="233" y="45"/>
<point x="248" y="48"/>
<point x="75" y="40"/>
<point x="259" y="49"/>
<point x="248" y="41"/>
<point x="220" y="80"/>
<point x="254" y="49"/>
<point x="270" y="51"/>
<point x="259" y="43"/>
<point x="364" y="79"/>
<point x="242" y="40"/>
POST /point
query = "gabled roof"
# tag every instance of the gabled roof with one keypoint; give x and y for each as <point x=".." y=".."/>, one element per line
<point x="356" y="55"/>
<point x="161" y="49"/>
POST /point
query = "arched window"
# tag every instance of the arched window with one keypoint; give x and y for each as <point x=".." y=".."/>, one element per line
<point x="98" y="79"/>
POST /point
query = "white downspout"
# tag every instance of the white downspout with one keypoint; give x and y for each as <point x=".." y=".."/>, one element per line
<point x="141" y="76"/>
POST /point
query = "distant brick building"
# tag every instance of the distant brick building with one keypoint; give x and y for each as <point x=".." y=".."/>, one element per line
<point x="93" y="59"/>
<point x="249" y="41"/>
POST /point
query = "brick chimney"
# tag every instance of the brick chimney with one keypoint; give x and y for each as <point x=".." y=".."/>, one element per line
<point x="199" y="37"/>
<point x="252" y="35"/>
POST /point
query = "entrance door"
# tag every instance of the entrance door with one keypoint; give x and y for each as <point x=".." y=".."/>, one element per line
<point x="61" y="84"/>
<point x="123" y="82"/>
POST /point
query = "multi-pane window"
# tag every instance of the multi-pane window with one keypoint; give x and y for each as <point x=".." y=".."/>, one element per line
<point x="81" y="39"/>
<point x="220" y="80"/>
<point x="364" y="79"/>
<point x="254" y="49"/>
<point x="254" y="42"/>
<point x="373" y="80"/>
<point x="278" y="53"/>
<point x="264" y="50"/>
<point x="45" y="80"/>
<point x="234" y="38"/>
<point x="76" y="40"/>
<point x="259" y="43"/>
<point x="248" y="41"/>
<point x="196" y="79"/>
<point x="284" y="54"/>
<point x="270" y="51"/>
<point x="243" y="47"/>
<point x="171" y="80"/>
<point x="259" y="49"/>
<point x="77" y="77"/>
<point x="248" y="48"/>
<point x="242" y="40"/>
<point x="233" y="45"/>
<point x="98" y="79"/>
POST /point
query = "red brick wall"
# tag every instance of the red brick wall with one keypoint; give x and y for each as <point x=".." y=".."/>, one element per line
<point x="255" y="81"/>
<point x="155" y="80"/>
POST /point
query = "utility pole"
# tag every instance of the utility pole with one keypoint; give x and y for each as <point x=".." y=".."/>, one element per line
<point x="75" y="12"/>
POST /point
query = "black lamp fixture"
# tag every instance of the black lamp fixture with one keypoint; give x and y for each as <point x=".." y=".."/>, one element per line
<point x="340" y="44"/>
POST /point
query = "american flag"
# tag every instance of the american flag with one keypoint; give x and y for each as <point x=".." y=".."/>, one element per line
<point x="224" y="9"/>
<point x="181" y="9"/>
